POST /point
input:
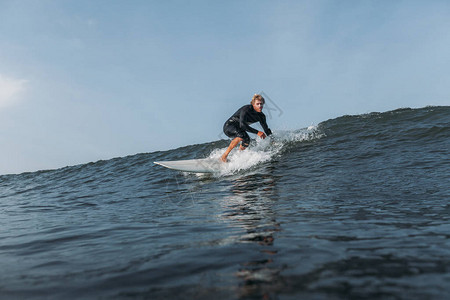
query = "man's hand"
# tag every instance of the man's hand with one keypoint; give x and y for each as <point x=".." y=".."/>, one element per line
<point x="261" y="134"/>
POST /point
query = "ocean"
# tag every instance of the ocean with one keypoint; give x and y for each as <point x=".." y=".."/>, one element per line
<point x="357" y="207"/>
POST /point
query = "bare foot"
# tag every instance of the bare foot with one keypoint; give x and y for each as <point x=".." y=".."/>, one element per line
<point x="224" y="159"/>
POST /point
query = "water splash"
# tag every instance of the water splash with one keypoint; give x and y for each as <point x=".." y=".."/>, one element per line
<point x="261" y="151"/>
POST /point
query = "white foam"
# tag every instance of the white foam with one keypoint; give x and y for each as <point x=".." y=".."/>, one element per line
<point x="261" y="151"/>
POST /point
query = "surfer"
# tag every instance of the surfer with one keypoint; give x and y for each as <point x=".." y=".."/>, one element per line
<point x="238" y="124"/>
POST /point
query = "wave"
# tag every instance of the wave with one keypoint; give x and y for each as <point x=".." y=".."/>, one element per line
<point x="400" y="127"/>
<point x="412" y="122"/>
<point x="396" y="129"/>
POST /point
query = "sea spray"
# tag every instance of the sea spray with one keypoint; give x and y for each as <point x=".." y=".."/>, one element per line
<point x="263" y="150"/>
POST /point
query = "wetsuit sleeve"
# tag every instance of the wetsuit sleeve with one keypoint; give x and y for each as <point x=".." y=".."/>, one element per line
<point x="264" y="126"/>
<point x="244" y="124"/>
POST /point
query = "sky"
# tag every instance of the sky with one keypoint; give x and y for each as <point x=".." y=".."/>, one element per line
<point x="82" y="81"/>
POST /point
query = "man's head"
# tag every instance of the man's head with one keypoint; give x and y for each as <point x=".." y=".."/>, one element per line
<point x="258" y="102"/>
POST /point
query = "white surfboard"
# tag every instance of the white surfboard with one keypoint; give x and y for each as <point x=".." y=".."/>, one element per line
<point x="205" y="165"/>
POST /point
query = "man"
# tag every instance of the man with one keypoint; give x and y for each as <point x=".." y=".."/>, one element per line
<point x="237" y="125"/>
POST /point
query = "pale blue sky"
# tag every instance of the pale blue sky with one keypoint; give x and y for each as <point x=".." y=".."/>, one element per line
<point x="87" y="80"/>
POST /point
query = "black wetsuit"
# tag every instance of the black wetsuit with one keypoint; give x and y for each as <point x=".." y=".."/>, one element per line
<point x="238" y="124"/>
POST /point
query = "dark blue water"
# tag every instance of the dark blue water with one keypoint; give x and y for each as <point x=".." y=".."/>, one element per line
<point x="357" y="207"/>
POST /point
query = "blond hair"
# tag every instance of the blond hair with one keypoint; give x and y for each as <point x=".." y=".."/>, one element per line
<point x="257" y="97"/>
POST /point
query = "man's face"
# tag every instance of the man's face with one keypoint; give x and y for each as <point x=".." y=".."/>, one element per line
<point x="258" y="105"/>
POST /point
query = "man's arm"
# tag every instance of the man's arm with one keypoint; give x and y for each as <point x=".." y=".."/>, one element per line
<point x="264" y="126"/>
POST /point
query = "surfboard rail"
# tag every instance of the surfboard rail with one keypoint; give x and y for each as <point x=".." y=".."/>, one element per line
<point x="204" y="165"/>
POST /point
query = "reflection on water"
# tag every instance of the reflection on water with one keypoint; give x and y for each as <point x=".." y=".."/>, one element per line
<point x="249" y="208"/>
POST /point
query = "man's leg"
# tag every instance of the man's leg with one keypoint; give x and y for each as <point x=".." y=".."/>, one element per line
<point x="245" y="141"/>
<point x="233" y="144"/>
